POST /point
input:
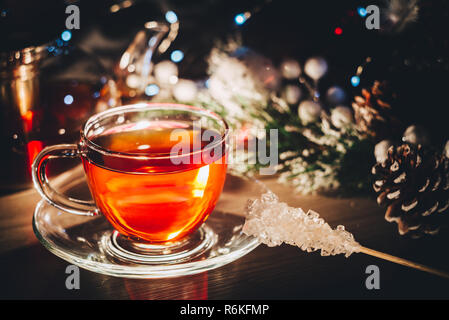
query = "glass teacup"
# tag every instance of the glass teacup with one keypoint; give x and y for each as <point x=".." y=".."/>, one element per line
<point x="155" y="171"/>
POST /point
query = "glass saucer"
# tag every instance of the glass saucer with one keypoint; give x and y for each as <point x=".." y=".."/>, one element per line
<point x="92" y="243"/>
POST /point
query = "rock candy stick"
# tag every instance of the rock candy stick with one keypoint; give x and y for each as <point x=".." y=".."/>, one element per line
<point x="273" y="222"/>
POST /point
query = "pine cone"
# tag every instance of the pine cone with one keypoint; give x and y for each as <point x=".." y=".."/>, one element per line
<point x="413" y="183"/>
<point x="373" y="112"/>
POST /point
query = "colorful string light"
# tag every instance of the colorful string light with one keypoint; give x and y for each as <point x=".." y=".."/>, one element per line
<point x="177" y="56"/>
<point x="66" y="35"/>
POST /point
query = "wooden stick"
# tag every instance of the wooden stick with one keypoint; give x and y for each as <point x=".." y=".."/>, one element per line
<point x="403" y="262"/>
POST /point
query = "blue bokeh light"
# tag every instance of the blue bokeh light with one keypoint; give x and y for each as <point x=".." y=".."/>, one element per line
<point x="66" y="35"/>
<point x="177" y="56"/>
<point x="151" y="90"/>
<point x="361" y="11"/>
<point x="240" y="19"/>
<point x="355" y="81"/>
<point x="68" y="99"/>
<point x="171" y="17"/>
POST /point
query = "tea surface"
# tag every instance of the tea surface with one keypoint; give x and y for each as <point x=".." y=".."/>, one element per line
<point x="155" y="199"/>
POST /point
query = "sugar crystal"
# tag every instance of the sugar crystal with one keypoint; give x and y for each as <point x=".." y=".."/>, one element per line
<point x="273" y="222"/>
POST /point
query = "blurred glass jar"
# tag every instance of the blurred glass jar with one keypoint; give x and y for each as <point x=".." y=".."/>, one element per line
<point x="46" y="93"/>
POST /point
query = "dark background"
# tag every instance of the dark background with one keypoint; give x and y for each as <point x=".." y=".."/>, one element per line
<point x="415" y="61"/>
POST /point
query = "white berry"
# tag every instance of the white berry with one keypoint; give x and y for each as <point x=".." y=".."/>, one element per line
<point x="341" y="116"/>
<point x="290" y="69"/>
<point x="315" y="68"/>
<point x="309" y="111"/>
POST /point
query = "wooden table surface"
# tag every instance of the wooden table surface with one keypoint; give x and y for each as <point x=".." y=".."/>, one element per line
<point x="29" y="271"/>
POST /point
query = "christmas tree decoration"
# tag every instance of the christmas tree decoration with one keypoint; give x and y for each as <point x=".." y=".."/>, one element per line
<point x="237" y="86"/>
<point x="413" y="183"/>
<point x="315" y="68"/>
<point x="373" y="112"/>
<point x="341" y="116"/>
<point x="292" y="94"/>
<point x="290" y="69"/>
<point x="259" y="67"/>
<point x="309" y="111"/>
<point x="335" y="95"/>
<point x="318" y="144"/>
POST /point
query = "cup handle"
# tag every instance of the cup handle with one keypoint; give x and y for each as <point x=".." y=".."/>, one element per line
<point x="41" y="183"/>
